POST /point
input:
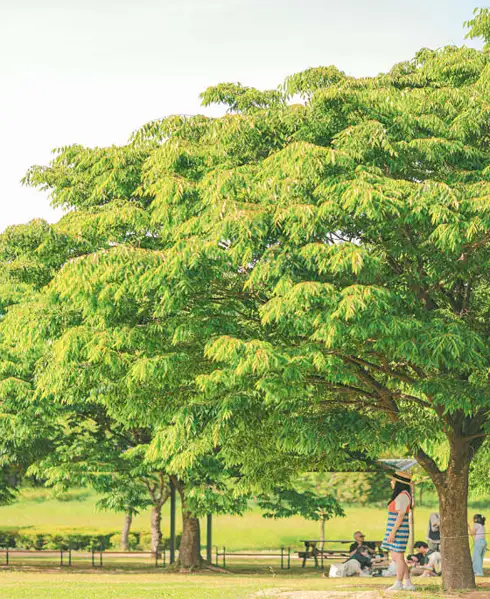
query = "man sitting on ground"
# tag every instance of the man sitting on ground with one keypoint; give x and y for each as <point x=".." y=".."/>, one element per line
<point x="359" y="539"/>
<point x="358" y="564"/>
<point x="425" y="562"/>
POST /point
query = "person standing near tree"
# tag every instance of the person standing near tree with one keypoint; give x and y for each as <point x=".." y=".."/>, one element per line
<point x="434" y="532"/>
<point x="397" y="529"/>
<point x="480" y="546"/>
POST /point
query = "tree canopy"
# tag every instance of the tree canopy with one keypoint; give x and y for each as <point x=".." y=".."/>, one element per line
<point x="306" y="277"/>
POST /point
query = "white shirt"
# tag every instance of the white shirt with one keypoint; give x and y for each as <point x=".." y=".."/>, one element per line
<point x="479" y="531"/>
<point x="402" y="502"/>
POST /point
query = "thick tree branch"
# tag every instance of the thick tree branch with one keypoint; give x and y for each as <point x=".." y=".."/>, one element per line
<point x="426" y="462"/>
<point x="351" y="389"/>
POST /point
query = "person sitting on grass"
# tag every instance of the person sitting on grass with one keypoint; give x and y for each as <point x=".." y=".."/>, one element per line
<point x="358" y="564"/>
<point x="425" y="562"/>
<point x="359" y="539"/>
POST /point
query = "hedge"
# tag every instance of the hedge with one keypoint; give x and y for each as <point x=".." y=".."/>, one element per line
<point x="74" y="538"/>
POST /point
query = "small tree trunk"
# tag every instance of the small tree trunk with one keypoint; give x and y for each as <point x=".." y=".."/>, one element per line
<point x="322" y="532"/>
<point x="452" y="488"/>
<point x="156" y="526"/>
<point x="128" y="519"/>
<point x="190" y="545"/>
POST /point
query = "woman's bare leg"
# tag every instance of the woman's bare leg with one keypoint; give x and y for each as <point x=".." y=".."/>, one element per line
<point x="406" y="576"/>
<point x="401" y="566"/>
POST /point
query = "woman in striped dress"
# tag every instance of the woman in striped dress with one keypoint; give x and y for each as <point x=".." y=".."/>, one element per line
<point x="396" y="536"/>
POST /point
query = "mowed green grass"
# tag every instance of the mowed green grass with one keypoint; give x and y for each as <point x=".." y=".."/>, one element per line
<point x="102" y="585"/>
<point x="37" y="508"/>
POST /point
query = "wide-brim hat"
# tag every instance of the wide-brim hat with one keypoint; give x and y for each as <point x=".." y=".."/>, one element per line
<point x="402" y="477"/>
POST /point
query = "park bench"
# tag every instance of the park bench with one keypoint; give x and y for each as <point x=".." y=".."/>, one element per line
<point x="315" y="549"/>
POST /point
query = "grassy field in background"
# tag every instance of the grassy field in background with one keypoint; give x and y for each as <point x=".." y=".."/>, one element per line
<point x="102" y="585"/>
<point x="39" y="509"/>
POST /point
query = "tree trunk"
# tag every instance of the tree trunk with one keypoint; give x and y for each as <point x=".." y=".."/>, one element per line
<point x="190" y="545"/>
<point x="156" y="526"/>
<point x="452" y="488"/>
<point x="128" y="519"/>
<point x="159" y="490"/>
<point x="322" y="528"/>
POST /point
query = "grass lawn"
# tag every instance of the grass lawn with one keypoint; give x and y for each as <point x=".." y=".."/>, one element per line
<point x="124" y="585"/>
<point x="37" y="508"/>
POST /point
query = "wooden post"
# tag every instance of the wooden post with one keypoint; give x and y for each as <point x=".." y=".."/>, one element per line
<point x="209" y="538"/>
<point x="172" y="522"/>
<point x="411" y="522"/>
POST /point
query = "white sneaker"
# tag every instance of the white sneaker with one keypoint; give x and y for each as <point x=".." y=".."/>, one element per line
<point x="396" y="587"/>
<point x="409" y="587"/>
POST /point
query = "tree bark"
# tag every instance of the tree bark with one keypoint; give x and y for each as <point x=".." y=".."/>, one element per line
<point x="128" y="519"/>
<point x="156" y="526"/>
<point x="452" y="488"/>
<point x="190" y="545"/>
<point x="322" y="529"/>
<point x="159" y="491"/>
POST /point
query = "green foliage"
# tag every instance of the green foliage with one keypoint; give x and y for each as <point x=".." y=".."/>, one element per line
<point x="25" y="538"/>
<point x="77" y="539"/>
<point x="303" y="280"/>
<point x="239" y="98"/>
<point x="284" y="503"/>
<point x="479" y="26"/>
<point x="360" y="488"/>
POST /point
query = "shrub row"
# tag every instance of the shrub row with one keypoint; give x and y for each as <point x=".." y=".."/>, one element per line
<point x="75" y="539"/>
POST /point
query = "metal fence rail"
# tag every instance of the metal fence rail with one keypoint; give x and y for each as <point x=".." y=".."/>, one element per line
<point x="284" y="555"/>
<point x="66" y="556"/>
<point x="97" y="558"/>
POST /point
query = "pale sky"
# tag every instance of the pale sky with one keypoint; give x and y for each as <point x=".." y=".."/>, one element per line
<point x="92" y="71"/>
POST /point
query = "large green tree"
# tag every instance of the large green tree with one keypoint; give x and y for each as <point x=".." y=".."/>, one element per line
<point x="357" y="225"/>
<point x="332" y="255"/>
<point x="366" y="236"/>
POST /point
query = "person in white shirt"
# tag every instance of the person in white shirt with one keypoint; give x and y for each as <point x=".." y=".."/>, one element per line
<point x="434" y="532"/>
<point x="477" y="531"/>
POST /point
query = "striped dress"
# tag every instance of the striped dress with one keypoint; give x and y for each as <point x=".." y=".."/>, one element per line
<point x="399" y="545"/>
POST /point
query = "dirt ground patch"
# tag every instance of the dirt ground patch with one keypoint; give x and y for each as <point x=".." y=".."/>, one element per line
<point x="280" y="594"/>
<point x="374" y="594"/>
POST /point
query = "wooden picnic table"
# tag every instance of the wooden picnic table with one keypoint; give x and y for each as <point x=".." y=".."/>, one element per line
<point x="312" y="550"/>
